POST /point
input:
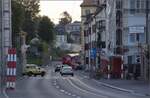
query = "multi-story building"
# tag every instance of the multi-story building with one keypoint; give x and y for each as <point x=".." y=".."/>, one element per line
<point x="88" y="7"/>
<point x="117" y="30"/>
<point x="73" y="30"/>
<point x="134" y="30"/>
<point x="61" y="36"/>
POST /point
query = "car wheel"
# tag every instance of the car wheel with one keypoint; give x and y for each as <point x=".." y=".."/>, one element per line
<point x="30" y="74"/>
<point x="72" y="75"/>
<point x="42" y="74"/>
<point x="23" y="74"/>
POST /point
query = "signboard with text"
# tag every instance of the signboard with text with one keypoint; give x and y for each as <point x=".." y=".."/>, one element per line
<point x="136" y="29"/>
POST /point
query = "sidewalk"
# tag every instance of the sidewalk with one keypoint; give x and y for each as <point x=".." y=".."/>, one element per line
<point x="132" y="86"/>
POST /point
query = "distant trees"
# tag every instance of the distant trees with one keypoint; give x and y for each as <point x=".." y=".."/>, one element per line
<point x="25" y="17"/>
<point x="65" y="18"/>
<point x="46" y="29"/>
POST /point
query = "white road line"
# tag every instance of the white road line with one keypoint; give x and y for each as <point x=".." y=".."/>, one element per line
<point x="62" y="90"/>
<point x="108" y="85"/>
<point x="73" y="95"/>
<point x="4" y="92"/>
<point x="66" y="92"/>
<point x="83" y="90"/>
<point x="57" y="87"/>
<point x="69" y="94"/>
<point x="89" y="87"/>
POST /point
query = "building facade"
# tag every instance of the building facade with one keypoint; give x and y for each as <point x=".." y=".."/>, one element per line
<point x="115" y="34"/>
<point x="73" y="30"/>
<point x="88" y="7"/>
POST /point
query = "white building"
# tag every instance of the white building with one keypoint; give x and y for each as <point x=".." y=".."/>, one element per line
<point x="88" y="7"/>
<point x="117" y="28"/>
<point x="73" y="30"/>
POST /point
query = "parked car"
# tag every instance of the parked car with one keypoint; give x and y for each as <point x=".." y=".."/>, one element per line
<point x="32" y="69"/>
<point x="67" y="70"/>
<point x="79" y="67"/>
<point x="57" y="68"/>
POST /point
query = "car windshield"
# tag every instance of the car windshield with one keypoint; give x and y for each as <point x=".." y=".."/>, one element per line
<point x="67" y="69"/>
<point x="74" y="48"/>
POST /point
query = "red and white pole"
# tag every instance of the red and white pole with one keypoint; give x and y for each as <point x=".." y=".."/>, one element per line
<point x="122" y="68"/>
<point x="11" y="69"/>
<point x="108" y="75"/>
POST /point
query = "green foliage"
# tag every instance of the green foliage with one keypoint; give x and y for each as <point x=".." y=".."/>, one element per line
<point x="17" y="20"/>
<point x="31" y="60"/>
<point x="46" y="29"/>
<point x="24" y="13"/>
<point x="31" y="7"/>
<point x="65" y="18"/>
<point x="58" y="53"/>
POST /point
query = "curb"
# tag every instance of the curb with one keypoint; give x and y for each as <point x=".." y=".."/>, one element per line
<point x="114" y="87"/>
<point x="122" y="89"/>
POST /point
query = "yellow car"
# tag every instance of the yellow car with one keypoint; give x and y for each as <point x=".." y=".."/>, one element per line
<point x="32" y="69"/>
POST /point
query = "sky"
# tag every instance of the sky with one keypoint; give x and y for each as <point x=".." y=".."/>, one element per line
<point x="53" y="9"/>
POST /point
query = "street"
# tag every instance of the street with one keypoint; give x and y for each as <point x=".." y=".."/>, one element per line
<point x="53" y="85"/>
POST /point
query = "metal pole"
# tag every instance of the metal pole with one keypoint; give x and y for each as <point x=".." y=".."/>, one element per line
<point x="147" y="31"/>
<point x="147" y="13"/>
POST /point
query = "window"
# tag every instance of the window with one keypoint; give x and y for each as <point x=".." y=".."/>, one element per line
<point x="132" y="38"/>
<point x="87" y="12"/>
<point x="138" y="4"/>
<point x="132" y="4"/>
<point x="137" y="37"/>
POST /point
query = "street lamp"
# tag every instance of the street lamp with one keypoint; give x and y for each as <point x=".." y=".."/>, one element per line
<point x="147" y="34"/>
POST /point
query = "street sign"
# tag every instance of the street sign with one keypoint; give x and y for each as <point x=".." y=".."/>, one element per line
<point x="93" y="53"/>
<point x="11" y="69"/>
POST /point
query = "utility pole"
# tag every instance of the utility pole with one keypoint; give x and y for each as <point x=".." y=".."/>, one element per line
<point x="147" y="32"/>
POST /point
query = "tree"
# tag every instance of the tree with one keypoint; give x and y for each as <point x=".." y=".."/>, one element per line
<point x="17" y="20"/>
<point x="65" y="18"/>
<point x="31" y="8"/>
<point x="46" y="29"/>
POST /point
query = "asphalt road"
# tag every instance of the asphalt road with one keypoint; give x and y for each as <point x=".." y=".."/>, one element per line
<point x="55" y="86"/>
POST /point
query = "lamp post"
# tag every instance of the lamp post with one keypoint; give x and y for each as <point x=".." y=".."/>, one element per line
<point x="147" y="35"/>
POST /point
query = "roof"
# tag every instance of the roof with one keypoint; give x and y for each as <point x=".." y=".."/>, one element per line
<point x="87" y="3"/>
<point x="60" y="30"/>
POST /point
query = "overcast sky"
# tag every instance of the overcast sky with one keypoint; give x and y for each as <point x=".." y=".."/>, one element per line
<point x="53" y="8"/>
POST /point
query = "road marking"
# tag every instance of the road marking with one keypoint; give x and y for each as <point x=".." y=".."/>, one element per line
<point x="4" y="92"/>
<point x="83" y="90"/>
<point x="57" y="87"/>
<point x="73" y="95"/>
<point x="69" y="94"/>
<point x="62" y="90"/>
<point x="114" y="87"/>
<point x="89" y="87"/>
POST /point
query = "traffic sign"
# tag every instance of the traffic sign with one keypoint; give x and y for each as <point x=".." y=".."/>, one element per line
<point x="93" y="53"/>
